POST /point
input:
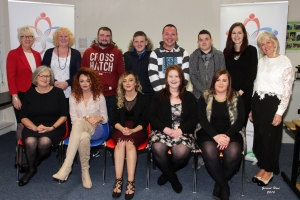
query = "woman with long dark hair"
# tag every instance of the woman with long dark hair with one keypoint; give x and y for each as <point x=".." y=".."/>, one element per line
<point x="241" y="63"/>
<point x="221" y="116"/>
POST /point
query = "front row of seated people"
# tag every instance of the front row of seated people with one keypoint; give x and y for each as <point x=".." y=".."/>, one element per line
<point x="172" y="114"/>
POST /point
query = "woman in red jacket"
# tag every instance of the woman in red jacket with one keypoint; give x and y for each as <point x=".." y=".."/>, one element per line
<point x="20" y="64"/>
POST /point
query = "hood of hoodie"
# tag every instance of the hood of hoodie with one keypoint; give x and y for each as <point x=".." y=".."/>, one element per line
<point x="149" y="45"/>
<point x="97" y="48"/>
<point x="161" y="45"/>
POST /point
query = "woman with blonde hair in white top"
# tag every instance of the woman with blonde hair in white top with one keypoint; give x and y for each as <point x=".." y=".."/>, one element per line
<point x="271" y="95"/>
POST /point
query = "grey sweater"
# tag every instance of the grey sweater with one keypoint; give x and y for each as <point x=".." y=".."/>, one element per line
<point x="201" y="76"/>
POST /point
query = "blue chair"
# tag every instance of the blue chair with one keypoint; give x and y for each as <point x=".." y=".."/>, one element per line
<point x="98" y="143"/>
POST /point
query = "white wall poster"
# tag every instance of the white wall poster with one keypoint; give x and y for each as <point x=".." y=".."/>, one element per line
<point x="43" y="18"/>
<point x="257" y="18"/>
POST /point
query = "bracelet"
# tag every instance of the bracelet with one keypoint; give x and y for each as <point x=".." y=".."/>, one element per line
<point x="15" y="98"/>
<point x="54" y="127"/>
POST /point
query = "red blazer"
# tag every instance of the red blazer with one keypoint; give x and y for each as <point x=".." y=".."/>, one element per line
<point x="19" y="73"/>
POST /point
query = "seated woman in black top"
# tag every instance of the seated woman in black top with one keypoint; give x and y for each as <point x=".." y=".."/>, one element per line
<point x="43" y="114"/>
<point x="221" y="117"/>
<point x="130" y="120"/>
<point x="173" y="117"/>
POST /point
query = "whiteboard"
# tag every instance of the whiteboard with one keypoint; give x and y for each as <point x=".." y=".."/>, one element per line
<point x="43" y="18"/>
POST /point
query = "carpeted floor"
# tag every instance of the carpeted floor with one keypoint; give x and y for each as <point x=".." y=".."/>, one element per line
<point x="42" y="185"/>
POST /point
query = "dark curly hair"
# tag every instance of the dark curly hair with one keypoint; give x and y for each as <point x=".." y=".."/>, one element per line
<point x="96" y="85"/>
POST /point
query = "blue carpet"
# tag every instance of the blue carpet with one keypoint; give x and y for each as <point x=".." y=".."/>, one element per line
<point x="42" y="185"/>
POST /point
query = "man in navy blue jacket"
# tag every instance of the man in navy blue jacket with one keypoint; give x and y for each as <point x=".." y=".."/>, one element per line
<point x="137" y="60"/>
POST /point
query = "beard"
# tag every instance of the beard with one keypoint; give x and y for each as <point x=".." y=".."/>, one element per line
<point x="104" y="45"/>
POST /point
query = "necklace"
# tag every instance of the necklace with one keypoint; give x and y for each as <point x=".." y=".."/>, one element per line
<point x="237" y="57"/>
<point x="43" y="92"/>
<point x="130" y="98"/>
<point x="220" y="100"/>
<point x="59" y="61"/>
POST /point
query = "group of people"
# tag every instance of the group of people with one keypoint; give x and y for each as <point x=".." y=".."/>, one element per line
<point x="89" y="91"/>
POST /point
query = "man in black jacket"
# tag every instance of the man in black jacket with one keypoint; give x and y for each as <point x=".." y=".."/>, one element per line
<point x="137" y="60"/>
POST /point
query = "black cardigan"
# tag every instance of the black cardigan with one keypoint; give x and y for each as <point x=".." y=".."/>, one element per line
<point x="160" y="115"/>
<point x="74" y="62"/>
<point x="140" y="110"/>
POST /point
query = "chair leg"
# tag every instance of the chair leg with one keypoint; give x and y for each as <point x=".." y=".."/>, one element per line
<point x="60" y="157"/>
<point x="104" y="166"/>
<point x="195" y="172"/>
<point x="18" y="149"/>
<point x="60" y="153"/>
<point x="148" y="171"/>
<point x="243" y="172"/>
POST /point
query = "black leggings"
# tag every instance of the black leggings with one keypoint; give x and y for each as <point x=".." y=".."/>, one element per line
<point x="221" y="169"/>
<point x="170" y="162"/>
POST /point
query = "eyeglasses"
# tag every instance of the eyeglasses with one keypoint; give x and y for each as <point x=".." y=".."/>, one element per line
<point x="45" y="76"/>
<point x="27" y="37"/>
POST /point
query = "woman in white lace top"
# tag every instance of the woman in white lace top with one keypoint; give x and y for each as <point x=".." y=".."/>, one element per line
<point x="271" y="95"/>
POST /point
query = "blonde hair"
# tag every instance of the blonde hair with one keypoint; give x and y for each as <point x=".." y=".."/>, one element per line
<point x="121" y="90"/>
<point x="23" y="30"/>
<point x="267" y="36"/>
<point x="63" y="30"/>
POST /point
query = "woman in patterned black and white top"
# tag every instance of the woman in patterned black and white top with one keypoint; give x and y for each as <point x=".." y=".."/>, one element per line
<point x="63" y="60"/>
<point x="271" y="95"/>
<point x="173" y="118"/>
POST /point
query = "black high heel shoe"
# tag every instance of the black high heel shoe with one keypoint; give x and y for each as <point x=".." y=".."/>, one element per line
<point x="26" y="178"/>
<point x="266" y="182"/>
<point x="118" y="185"/>
<point x="130" y="188"/>
<point x="256" y="179"/>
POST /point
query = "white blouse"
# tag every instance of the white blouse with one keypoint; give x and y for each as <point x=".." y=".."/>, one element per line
<point x="61" y="70"/>
<point x="93" y="108"/>
<point x="275" y="77"/>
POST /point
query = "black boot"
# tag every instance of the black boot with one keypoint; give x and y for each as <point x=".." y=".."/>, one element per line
<point x="224" y="194"/>
<point x="217" y="191"/>
<point x="173" y="179"/>
<point x="162" y="179"/>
